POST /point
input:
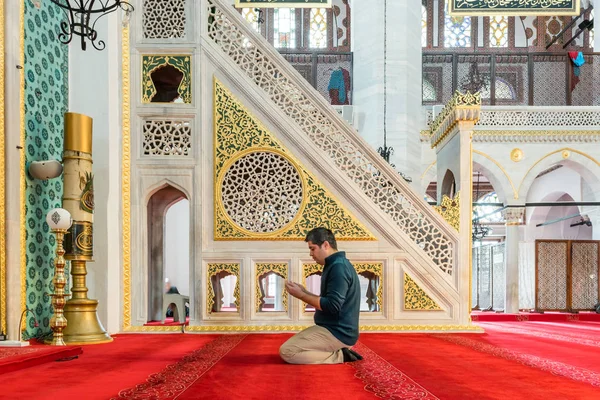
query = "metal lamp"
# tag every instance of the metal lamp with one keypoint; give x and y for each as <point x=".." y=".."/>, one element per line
<point x="59" y="220"/>
<point x="82" y="16"/>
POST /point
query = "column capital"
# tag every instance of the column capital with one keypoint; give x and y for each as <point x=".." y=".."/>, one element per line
<point x="514" y="215"/>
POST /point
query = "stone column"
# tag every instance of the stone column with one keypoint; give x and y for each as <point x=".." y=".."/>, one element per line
<point x="387" y="77"/>
<point x="513" y="217"/>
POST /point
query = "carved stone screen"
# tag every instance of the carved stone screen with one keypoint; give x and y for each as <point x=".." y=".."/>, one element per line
<point x="262" y="192"/>
<point x="567" y="275"/>
<point x="551" y="275"/>
<point x="584" y="278"/>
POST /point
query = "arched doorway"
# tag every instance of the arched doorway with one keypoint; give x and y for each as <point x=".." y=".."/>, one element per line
<point x="168" y="247"/>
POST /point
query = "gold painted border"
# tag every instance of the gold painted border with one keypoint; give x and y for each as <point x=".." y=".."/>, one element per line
<point x="260" y="4"/>
<point x="271" y="236"/>
<point x="512" y="185"/>
<point x="126" y="178"/>
<point x="2" y="182"/>
<point x="375" y="267"/>
<point x="294" y="328"/>
<point x="514" y="12"/>
<point x="219" y="201"/>
<point x="552" y="153"/>
<point x="234" y="269"/>
<point x="146" y="75"/>
<point x="278" y="269"/>
<point x="22" y="177"/>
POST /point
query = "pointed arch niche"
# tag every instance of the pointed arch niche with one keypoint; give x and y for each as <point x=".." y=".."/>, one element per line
<point x="168" y="218"/>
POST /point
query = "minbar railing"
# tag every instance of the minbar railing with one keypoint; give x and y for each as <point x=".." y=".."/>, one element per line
<point x="533" y="79"/>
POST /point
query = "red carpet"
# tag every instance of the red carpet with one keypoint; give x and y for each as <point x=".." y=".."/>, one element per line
<point x="518" y="360"/>
<point x="525" y="316"/>
<point x="104" y="369"/>
<point x="254" y="370"/>
<point x="16" y="358"/>
<point x="458" y="371"/>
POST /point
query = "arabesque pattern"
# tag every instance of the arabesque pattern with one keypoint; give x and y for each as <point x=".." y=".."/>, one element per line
<point x="364" y="167"/>
<point x="239" y="134"/>
<point x="163" y="19"/>
<point x="377" y="269"/>
<point x="215" y="268"/>
<point x="415" y="298"/>
<point x="262" y="269"/>
<point x="166" y="138"/>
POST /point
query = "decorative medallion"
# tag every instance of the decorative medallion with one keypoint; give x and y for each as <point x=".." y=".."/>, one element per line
<point x="182" y="63"/>
<point x="79" y="241"/>
<point x="516" y="155"/>
<point x="261" y="191"/>
<point x="415" y="298"/>
<point x="262" y="269"/>
<point x="566" y="154"/>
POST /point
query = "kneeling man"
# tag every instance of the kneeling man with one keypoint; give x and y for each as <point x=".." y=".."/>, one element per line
<point x="337" y="307"/>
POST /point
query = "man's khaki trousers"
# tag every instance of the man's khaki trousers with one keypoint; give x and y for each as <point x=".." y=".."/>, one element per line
<point x="314" y="345"/>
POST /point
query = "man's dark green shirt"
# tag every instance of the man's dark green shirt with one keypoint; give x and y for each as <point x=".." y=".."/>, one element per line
<point x="340" y="299"/>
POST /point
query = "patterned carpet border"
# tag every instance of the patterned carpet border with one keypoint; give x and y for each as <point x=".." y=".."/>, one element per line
<point x="575" y="337"/>
<point x="176" y="378"/>
<point x="384" y="380"/>
<point x="554" y="367"/>
<point x="17" y="351"/>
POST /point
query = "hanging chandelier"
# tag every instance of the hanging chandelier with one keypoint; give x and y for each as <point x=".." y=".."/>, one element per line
<point x="82" y="16"/>
<point x="478" y="231"/>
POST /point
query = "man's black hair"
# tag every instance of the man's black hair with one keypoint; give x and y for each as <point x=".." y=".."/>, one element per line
<point x="320" y="235"/>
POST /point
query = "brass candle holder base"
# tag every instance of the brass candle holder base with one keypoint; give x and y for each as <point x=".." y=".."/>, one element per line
<point x="84" y="327"/>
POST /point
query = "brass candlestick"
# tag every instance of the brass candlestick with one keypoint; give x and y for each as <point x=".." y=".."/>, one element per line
<point x="58" y="322"/>
<point x="59" y="221"/>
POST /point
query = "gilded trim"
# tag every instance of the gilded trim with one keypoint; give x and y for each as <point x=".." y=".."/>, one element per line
<point x="152" y="62"/>
<point x="280" y="269"/>
<point x="377" y="269"/>
<point x="22" y="176"/>
<point x="415" y="298"/>
<point x="126" y="178"/>
<point x="215" y="268"/>
<point x="449" y="209"/>
<point x="238" y="132"/>
<point x="224" y="215"/>
<point x="532" y="133"/>
<point x="2" y="183"/>
<point x="540" y="10"/>
<point x="552" y="153"/>
<point x="276" y="4"/>
<point x="295" y="328"/>
<point x="515" y="192"/>
<point x="153" y="329"/>
<point x="308" y="270"/>
<point x="427" y="169"/>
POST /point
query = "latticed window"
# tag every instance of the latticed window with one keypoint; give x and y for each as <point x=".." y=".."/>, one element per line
<point x="318" y="28"/>
<point x="423" y="26"/>
<point x="163" y="19"/>
<point x="457" y="31"/>
<point x="498" y="31"/>
<point x="167" y="138"/>
<point x="284" y="28"/>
